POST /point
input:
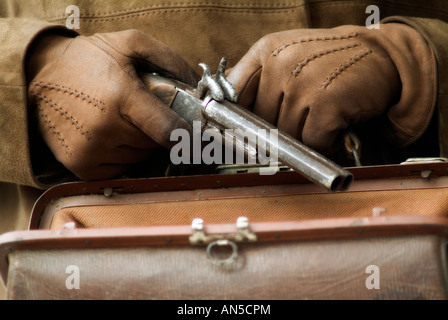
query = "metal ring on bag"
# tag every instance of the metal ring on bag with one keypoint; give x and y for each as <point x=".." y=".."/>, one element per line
<point x="222" y="243"/>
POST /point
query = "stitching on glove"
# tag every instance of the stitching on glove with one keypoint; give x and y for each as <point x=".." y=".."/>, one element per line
<point x="67" y="115"/>
<point x="313" y="57"/>
<point x="55" y="131"/>
<point x="97" y="103"/>
<point x="327" y="38"/>
<point x="344" y="67"/>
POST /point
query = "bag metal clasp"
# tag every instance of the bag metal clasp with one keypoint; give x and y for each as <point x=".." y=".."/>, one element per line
<point x="214" y="241"/>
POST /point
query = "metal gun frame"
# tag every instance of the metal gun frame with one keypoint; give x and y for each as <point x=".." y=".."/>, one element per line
<point x="218" y="112"/>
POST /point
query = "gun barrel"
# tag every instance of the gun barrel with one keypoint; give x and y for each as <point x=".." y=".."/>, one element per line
<point x="290" y="152"/>
<point x="228" y="115"/>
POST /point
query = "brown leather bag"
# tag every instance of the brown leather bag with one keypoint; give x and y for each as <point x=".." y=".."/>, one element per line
<point x="257" y="237"/>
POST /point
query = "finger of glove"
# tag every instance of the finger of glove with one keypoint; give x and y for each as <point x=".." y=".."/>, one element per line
<point x="349" y="100"/>
<point x="120" y="155"/>
<point x="319" y="134"/>
<point x="83" y="158"/>
<point x="153" y="117"/>
<point x="151" y="54"/>
<point x="245" y="77"/>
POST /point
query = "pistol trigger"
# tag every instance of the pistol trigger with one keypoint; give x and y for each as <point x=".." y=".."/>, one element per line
<point x="353" y="146"/>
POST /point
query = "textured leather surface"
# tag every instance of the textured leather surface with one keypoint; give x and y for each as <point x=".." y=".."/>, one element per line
<point x="410" y="267"/>
<point x="225" y="206"/>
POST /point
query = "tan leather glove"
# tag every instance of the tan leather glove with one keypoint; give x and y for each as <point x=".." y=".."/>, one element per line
<point x="314" y="83"/>
<point x="94" y="113"/>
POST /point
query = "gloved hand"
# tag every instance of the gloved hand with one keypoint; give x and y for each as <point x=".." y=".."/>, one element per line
<point x="314" y="83"/>
<point x="94" y="113"/>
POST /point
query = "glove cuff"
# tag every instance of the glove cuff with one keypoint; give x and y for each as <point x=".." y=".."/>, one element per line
<point x="416" y="64"/>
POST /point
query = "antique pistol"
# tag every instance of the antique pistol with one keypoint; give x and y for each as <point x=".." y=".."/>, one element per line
<point x="213" y="104"/>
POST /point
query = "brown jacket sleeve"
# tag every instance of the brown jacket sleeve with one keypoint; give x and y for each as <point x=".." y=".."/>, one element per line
<point x="15" y="156"/>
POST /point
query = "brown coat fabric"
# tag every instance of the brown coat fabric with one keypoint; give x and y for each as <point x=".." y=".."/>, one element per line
<point x="201" y="31"/>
